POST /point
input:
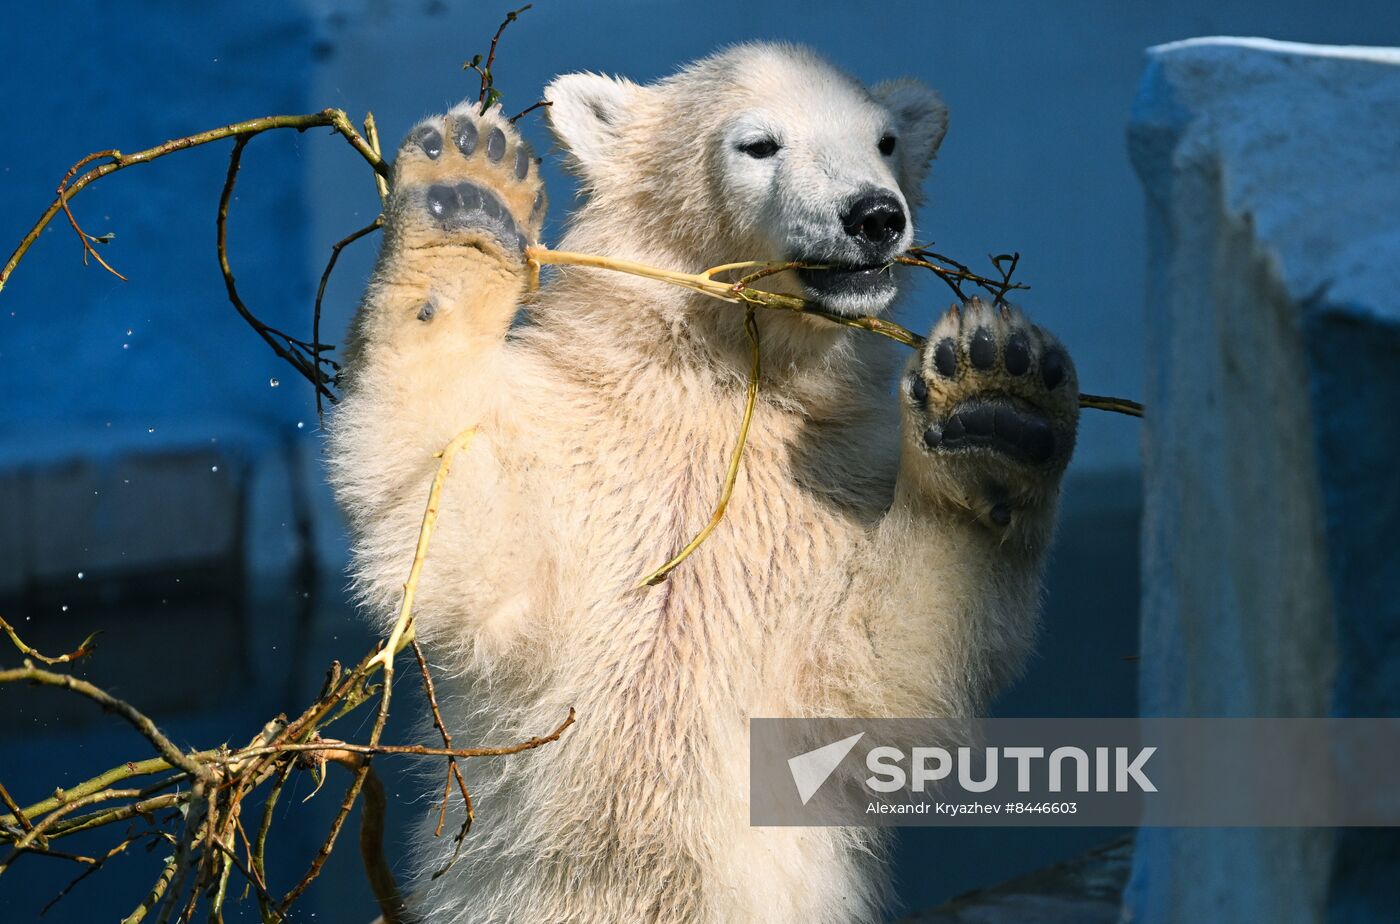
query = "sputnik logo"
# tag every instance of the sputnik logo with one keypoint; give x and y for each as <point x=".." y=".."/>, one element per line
<point x="811" y="770"/>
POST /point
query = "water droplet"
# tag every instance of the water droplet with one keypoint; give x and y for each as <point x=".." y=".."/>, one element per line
<point x="300" y="424"/>
<point x="80" y="575"/>
<point x="126" y="346"/>
<point x="63" y="608"/>
<point x="128" y="332"/>
<point x="150" y="429"/>
<point x="273" y="382"/>
<point x="213" y="468"/>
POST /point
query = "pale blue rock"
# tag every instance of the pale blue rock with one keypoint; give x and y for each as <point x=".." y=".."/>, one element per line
<point x="1271" y="570"/>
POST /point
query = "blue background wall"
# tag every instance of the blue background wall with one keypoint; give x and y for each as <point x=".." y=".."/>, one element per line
<point x="1035" y="161"/>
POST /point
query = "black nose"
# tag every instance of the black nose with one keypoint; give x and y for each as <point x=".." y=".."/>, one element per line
<point x="875" y="219"/>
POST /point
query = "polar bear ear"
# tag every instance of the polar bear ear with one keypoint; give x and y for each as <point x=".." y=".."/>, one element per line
<point x="586" y="113"/>
<point x="922" y="119"/>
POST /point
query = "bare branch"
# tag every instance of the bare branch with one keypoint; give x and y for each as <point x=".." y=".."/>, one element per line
<point x="116" y="160"/>
<point x="741" y="292"/>
<point x="310" y="369"/>
<point x="489" y="94"/>
<point x="17" y="815"/>
<point x="751" y="399"/>
<point x="541" y="104"/>
<point x="316" y="345"/>
<point x="82" y="651"/>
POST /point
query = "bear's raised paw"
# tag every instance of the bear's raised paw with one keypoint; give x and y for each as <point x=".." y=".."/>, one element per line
<point x="467" y="178"/>
<point x="996" y="399"/>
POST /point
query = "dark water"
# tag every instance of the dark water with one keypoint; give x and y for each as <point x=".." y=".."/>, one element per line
<point x="211" y="661"/>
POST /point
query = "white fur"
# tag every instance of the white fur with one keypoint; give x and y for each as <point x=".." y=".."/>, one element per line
<point x="845" y="579"/>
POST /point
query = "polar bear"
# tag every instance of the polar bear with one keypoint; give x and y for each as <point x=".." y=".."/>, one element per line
<point x="882" y="552"/>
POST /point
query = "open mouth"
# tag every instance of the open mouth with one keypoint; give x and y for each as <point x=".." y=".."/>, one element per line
<point x="844" y="280"/>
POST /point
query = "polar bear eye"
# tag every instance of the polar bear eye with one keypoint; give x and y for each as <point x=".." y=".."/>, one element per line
<point x="887" y="145"/>
<point x="763" y="147"/>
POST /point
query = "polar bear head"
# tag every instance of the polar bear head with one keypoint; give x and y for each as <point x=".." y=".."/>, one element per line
<point x="761" y="152"/>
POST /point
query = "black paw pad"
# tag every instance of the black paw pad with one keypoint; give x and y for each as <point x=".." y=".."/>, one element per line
<point x="465" y="135"/>
<point x="983" y="351"/>
<point x="918" y="389"/>
<point x="522" y="162"/>
<point x="427" y="311"/>
<point x="1018" y="354"/>
<point x="1052" y="368"/>
<point x="933" y="436"/>
<point x="1022" y="434"/>
<point x="945" y="358"/>
<point x="467" y="205"/>
<point x="496" y="145"/>
<point x="430" y="140"/>
<point x="443" y="201"/>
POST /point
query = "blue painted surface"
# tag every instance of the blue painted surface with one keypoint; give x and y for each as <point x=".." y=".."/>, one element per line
<point x="1034" y="161"/>
<point x="90" y="363"/>
<point x="1258" y="140"/>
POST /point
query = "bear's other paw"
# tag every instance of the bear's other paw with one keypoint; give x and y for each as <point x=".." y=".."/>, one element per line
<point x="992" y="407"/>
<point x="467" y="179"/>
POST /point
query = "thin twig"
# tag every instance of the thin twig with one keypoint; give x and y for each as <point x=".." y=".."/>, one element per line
<point x="541" y="104"/>
<point x="95" y="865"/>
<point x="381" y="180"/>
<point x="116" y="160"/>
<point x="126" y="771"/>
<point x="489" y="95"/>
<point x="18" y="814"/>
<point x="453" y="772"/>
<point x="36" y="833"/>
<point x="399" y="636"/>
<point x="265" y="902"/>
<point x="421" y="750"/>
<point x="82" y="651"/>
<point x="706" y="284"/>
<point x="142" y="808"/>
<point x="381" y="879"/>
<point x="1116" y="405"/>
<point x="316" y="345"/>
<point x="167" y="874"/>
<point x="270" y="335"/>
<point x="87" y="240"/>
<point x="750" y="400"/>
